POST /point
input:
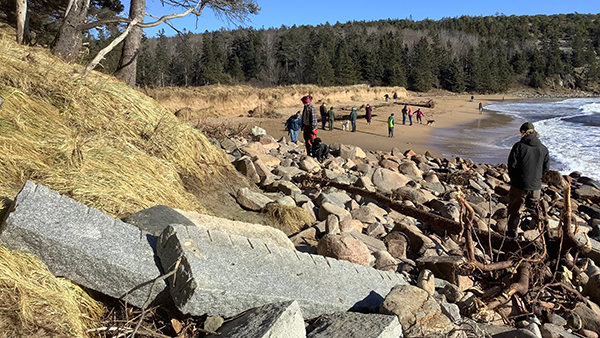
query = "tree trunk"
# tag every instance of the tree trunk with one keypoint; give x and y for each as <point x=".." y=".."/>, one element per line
<point x="69" y="38"/>
<point x="22" y="35"/>
<point x="131" y="45"/>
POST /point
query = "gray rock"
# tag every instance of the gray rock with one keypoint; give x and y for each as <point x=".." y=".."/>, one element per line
<point x="372" y="243"/>
<point x="587" y="192"/>
<point x="426" y="281"/>
<point x="419" y="314"/>
<point x="333" y="225"/>
<point x="309" y="207"/>
<point x="288" y="188"/>
<point x="282" y="319"/>
<point x="387" y="180"/>
<point x="409" y="168"/>
<point x="356" y="325"/>
<point x="228" y="145"/>
<point x="155" y="219"/>
<point x="453" y="293"/>
<point x="328" y="208"/>
<point x="375" y="230"/>
<point x="452" y="311"/>
<point x="554" y="331"/>
<point x="83" y="244"/>
<point x="496" y="331"/>
<point x="251" y="200"/>
<point x="417" y="196"/>
<point x="451" y="211"/>
<point x="225" y="275"/>
<point x="258" y="131"/>
<point x="286" y="201"/>
<point x="329" y="198"/>
<point x="245" y="166"/>
<point x="445" y="267"/>
<point x="287" y="171"/>
<point x="366" y="183"/>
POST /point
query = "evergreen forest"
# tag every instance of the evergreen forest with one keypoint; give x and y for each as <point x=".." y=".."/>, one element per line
<point x="476" y="54"/>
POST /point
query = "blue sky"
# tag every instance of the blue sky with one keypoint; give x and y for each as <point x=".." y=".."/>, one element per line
<point x="275" y="13"/>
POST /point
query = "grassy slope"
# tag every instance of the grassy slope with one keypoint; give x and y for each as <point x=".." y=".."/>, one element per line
<point x="96" y="139"/>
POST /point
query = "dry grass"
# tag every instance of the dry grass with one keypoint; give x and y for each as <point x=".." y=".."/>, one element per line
<point x="35" y="303"/>
<point x="240" y="100"/>
<point x="290" y="220"/>
<point x="95" y="139"/>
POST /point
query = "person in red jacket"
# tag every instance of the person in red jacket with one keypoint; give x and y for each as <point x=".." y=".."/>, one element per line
<point x="528" y="161"/>
<point x="310" y="124"/>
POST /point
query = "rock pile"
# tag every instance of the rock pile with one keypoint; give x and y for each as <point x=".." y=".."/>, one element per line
<point x="354" y="197"/>
<point x="400" y="245"/>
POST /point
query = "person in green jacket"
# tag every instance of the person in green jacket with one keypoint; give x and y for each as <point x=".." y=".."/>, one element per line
<point x="391" y="121"/>
<point x="331" y="118"/>
<point x="353" y="118"/>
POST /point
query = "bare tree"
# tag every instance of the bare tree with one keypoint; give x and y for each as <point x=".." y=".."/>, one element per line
<point x="22" y="29"/>
<point x="69" y="38"/>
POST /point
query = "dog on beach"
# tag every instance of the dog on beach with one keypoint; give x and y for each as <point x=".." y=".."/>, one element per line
<point x="431" y="122"/>
<point x="346" y="125"/>
<point x="320" y="150"/>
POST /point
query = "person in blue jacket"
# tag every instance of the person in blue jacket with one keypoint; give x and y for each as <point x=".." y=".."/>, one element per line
<point x="293" y="125"/>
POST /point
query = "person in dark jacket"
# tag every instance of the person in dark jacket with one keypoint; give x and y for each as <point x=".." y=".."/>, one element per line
<point x="310" y="124"/>
<point x="528" y="161"/>
<point x="331" y="118"/>
<point x="323" y="111"/>
<point x="368" y="113"/>
<point x="353" y="118"/>
<point x="293" y="125"/>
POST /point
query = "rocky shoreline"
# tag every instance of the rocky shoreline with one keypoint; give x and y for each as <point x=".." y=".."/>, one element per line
<point x="356" y="227"/>
<point x="379" y="244"/>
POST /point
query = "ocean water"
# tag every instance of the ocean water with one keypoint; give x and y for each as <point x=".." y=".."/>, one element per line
<point x="569" y="128"/>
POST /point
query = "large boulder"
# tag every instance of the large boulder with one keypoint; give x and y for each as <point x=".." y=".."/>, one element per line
<point x="83" y="244"/>
<point x="387" y="180"/>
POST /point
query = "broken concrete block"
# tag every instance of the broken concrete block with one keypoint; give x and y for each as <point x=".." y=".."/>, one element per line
<point x="83" y="244"/>
<point x="357" y="325"/>
<point x="224" y="275"/>
<point x="282" y="319"/>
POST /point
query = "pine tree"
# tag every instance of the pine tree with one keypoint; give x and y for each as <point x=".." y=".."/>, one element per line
<point x="324" y="72"/>
<point x="392" y="60"/>
<point x="421" y="71"/>
<point x="162" y="58"/>
<point x="344" y="68"/>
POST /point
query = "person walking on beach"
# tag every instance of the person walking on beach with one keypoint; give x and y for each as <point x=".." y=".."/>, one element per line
<point x="310" y="125"/>
<point x="480" y="107"/>
<point x="528" y="161"/>
<point x="386" y="96"/>
<point x="410" y="114"/>
<point x="472" y="97"/>
<point x="331" y="118"/>
<point x="420" y="114"/>
<point x="293" y="125"/>
<point x="368" y="113"/>
<point x="395" y="97"/>
<point x="323" y="110"/>
<point x="353" y="118"/>
<point x="404" y="114"/>
<point x="391" y="121"/>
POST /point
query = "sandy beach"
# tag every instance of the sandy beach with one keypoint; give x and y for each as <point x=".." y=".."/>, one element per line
<point x="449" y="111"/>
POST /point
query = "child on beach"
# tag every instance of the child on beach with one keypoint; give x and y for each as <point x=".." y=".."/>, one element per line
<point x="293" y="125"/>
<point x="391" y="121"/>
<point x="420" y="114"/>
<point x="410" y="114"/>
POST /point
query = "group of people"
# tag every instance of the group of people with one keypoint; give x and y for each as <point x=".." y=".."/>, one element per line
<point x="408" y="112"/>
<point x="528" y="160"/>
